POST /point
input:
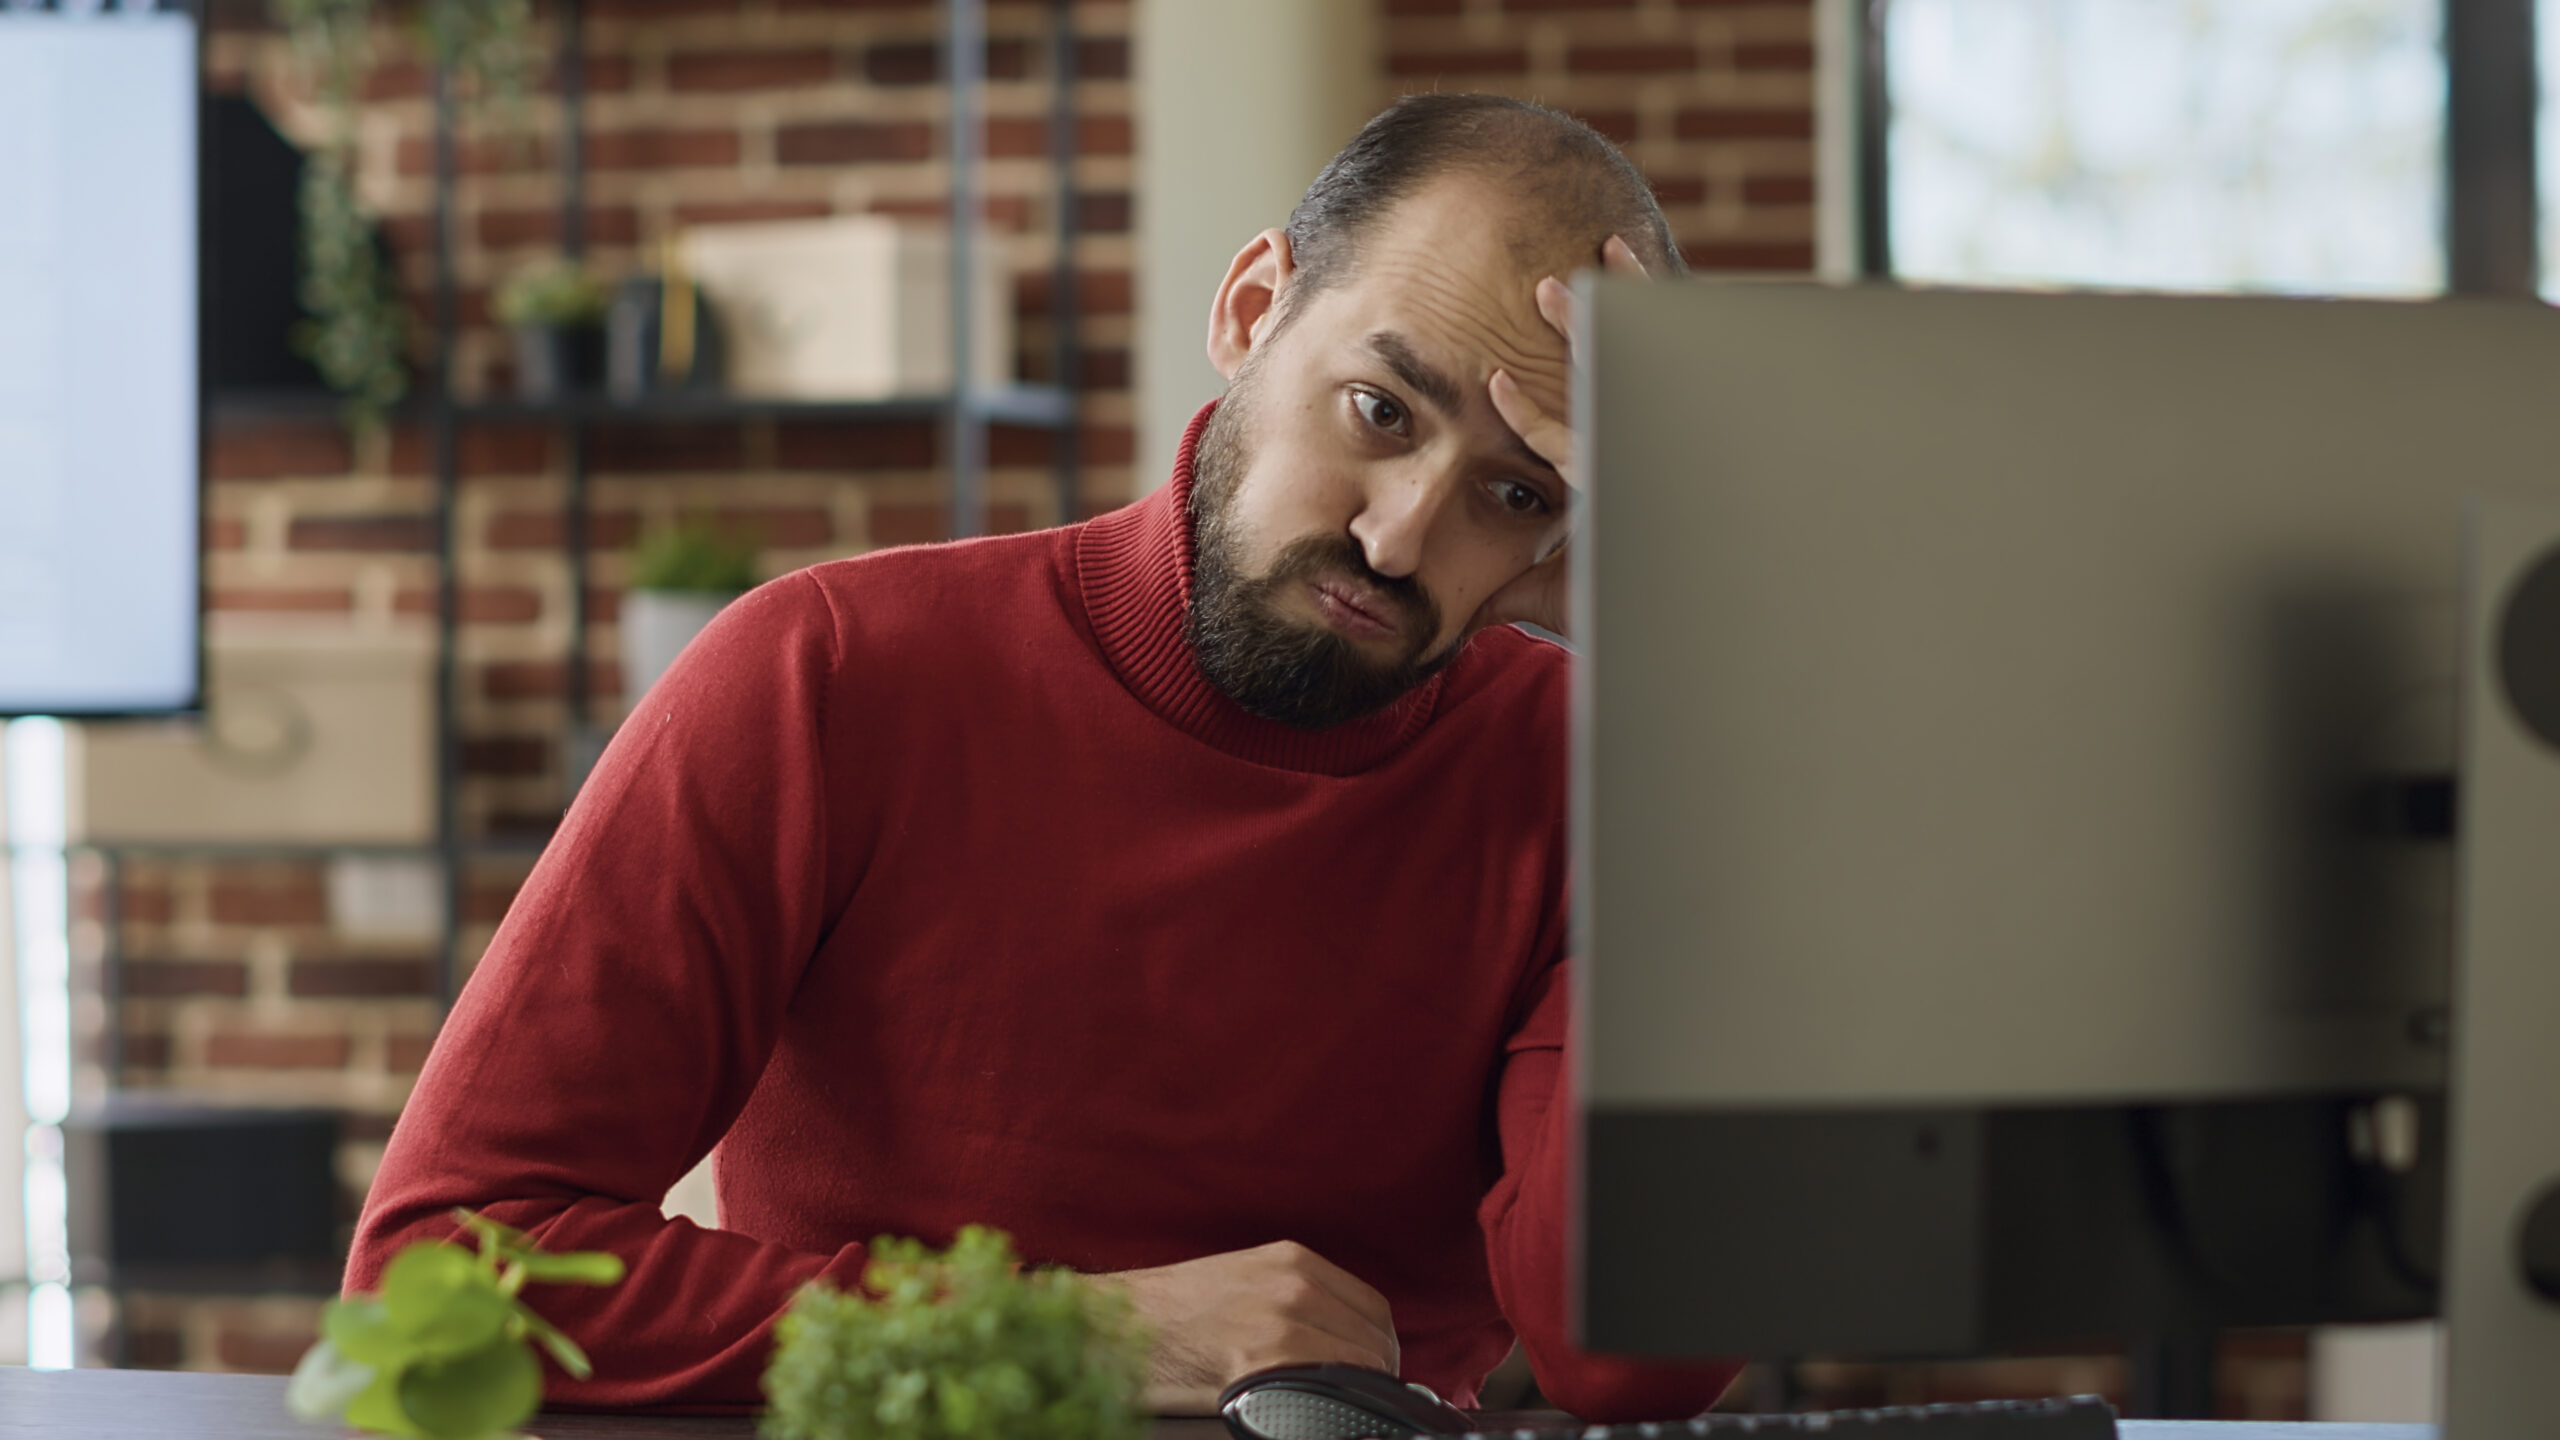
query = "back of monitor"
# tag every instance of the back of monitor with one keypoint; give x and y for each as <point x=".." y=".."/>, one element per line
<point x="2012" y="756"/>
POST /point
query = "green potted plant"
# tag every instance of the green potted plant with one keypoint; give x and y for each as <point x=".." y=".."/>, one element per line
<point x="445" y="1350"/>
<point x="959" y="1345"/>
<point x="556" y="314"/>
<point x="680" y="577"/>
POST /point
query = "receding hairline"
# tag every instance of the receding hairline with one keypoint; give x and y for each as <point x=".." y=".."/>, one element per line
<point x="1569" y="189"/>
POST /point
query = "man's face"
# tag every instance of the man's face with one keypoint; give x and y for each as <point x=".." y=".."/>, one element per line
<point x="1359" y="499"/>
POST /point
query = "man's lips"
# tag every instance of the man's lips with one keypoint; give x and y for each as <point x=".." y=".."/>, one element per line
<point x="1354" y="609"/>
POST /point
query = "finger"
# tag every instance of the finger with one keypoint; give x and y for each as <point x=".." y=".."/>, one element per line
<point x="1540" y="431"/>
<point x="1619" y="258"/>
<point x="1555" y="306"/>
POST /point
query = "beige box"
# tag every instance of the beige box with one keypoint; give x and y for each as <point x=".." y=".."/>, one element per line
<point x="309" y="736"/>
<point x="855" y="307"/>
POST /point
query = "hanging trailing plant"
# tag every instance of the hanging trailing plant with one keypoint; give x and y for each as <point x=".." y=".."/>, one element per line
<point x="487" y="45"/>
<point x="358" y="330"/>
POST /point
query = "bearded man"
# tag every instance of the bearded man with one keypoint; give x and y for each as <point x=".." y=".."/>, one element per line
<point x="1182" y="892"/>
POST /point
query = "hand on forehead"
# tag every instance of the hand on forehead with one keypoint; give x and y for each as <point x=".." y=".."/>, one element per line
<point x="1452" y="273"/>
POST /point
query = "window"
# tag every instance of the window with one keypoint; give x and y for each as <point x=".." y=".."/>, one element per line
<point x="2301" y="146"/>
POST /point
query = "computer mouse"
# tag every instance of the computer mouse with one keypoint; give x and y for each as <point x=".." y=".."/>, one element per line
<point x="1335" y="1402"/>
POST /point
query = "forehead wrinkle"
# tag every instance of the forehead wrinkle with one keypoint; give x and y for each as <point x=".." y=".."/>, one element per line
<point x="1476" y="324"/>
<point x="1392" y="349"/>
<point x="1451" y="291"/>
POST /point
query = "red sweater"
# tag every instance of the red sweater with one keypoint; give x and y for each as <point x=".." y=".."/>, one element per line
<point x="937" y="886"/>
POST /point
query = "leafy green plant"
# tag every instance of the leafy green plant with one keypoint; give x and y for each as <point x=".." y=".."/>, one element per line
<point x="440" y="1353"/>
<point x="488" y="46"/>
<point x="694" y="558"/>
<point x="560" y="295"/>
<point x="358" y="333"/>
<point x="959" y="1345"/>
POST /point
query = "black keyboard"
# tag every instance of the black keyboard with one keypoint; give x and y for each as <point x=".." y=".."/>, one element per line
<point x="2082" y="1417"/>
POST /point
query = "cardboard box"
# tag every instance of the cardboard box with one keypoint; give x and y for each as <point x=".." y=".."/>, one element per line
<point x="854" y="307"/>
<point x="309" y="736"/>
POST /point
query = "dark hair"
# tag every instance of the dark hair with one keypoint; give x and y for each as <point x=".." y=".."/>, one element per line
<point x="1591" y="189"/>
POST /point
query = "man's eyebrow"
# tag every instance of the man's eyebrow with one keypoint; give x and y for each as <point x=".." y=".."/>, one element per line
<point x="1434" y="386"/>
<point x="1442" y="391"/>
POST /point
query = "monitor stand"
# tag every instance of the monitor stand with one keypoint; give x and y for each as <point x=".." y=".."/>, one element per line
<point x="2502" y="1283"/>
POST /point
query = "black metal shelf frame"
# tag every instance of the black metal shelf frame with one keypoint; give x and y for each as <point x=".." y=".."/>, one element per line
<point x="965" y="412"/>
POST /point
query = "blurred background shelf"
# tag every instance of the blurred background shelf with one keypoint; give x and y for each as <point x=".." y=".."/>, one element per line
<point x="1044" y="407"/>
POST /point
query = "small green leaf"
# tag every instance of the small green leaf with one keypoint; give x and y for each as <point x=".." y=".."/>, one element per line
<point x="506" y="1237"/>
<point x="492" y="1389"/>
<point x="578" y="1267"/>
<point x="439" y="1299"/>
<point x="562" y="1348"/>
<point x="960" y="1405"/>
<point x="361" y="1330"/>
<point x="377" y="1408"/>
<point x="325" y="1383"/>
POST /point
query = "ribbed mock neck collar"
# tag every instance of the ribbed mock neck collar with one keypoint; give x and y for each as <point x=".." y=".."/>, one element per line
<point x="1135" y="568"/>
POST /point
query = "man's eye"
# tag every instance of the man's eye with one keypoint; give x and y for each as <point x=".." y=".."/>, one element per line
<point x="1378" y="410"/>
<point x="1519" y="499"/>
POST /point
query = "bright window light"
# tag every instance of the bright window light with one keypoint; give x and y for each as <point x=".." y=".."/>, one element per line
<point x="2291" y="146"/>
<point x="32" y="782"/>
<point x="2546" y="140"/>
<point x="50" y="1328"/>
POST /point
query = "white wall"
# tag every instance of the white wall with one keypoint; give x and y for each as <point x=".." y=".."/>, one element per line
<point x="1240" y="103"/>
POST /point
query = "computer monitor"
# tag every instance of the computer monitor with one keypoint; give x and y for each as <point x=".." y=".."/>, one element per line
<point x="2013" y="754"/>
<point x="100" y="383"/>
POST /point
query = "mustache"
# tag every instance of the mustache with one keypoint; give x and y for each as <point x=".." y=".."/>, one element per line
<point x="1313" y="556"/>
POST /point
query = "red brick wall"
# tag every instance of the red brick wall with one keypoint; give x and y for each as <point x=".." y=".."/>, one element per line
<point x="1713" y="100"/>
<point x="700" y="110"/>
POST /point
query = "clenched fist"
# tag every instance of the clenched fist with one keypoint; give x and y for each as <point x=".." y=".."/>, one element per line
<point x="1223" y="1316"/>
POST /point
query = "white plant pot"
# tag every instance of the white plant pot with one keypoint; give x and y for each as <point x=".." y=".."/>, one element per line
<point x="656" y="626"/>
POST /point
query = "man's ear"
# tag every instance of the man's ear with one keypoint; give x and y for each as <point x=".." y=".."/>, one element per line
<point x="1247" y="299"/>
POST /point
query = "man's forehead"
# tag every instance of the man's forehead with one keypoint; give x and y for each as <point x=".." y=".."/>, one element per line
<point x="1476" y="227"/>
<point x="1475" y="309"/>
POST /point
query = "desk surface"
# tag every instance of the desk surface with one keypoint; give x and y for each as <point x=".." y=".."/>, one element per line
<point x="156" y="1405"/>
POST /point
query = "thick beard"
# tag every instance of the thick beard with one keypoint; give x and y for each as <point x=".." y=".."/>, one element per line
<point x="1298" y="674"/>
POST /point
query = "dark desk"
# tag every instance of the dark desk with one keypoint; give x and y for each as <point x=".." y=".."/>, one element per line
<point x="162" y="1405"/>
<point x="153" y="1405"/>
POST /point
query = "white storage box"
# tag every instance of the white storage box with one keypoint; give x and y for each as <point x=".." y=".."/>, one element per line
<point x="855" y="307"/>
<point x="309" y="736"/>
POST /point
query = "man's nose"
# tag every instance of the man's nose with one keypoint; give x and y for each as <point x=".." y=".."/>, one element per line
<point x="1396" y="516"/>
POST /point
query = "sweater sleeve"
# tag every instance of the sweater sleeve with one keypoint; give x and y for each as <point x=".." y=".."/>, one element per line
<point x="1525" y="1218"/>
<point x="625" y="1010"/>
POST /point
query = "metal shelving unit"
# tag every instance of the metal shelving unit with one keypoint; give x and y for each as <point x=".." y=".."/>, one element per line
<point x="964" y="414"/>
